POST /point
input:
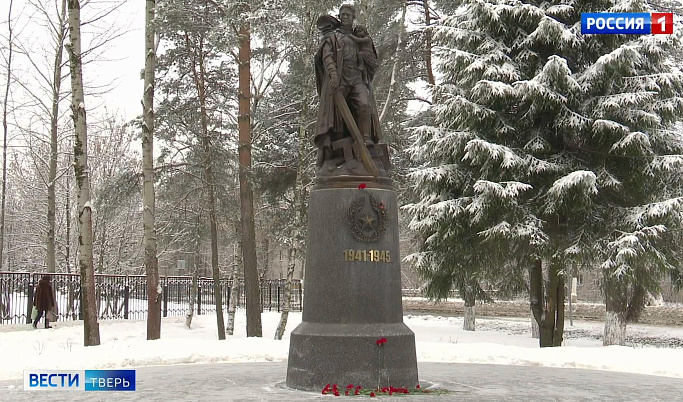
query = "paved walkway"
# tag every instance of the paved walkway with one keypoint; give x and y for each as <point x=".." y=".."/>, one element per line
<point x="466" y="382"/>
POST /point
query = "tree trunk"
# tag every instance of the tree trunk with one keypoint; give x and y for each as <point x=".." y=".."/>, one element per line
<point x="234" y="281"/>
<point x="10" y="48"/>
<point x="103" y="243"/>
<point x="394" y="70"/>
<point x="148" y="199"/>
<point x="91" y="329"/>
<point x="535" y="331"/>
<point x="559" y="307"/>
<point x="615" y="329"/>
<point x="280" y="330"/>
<point x="195" y="275"/>
<point x="54" y="118"/>
<point x="548" y="306"/>
<point x="428" y="44"/>
<point x="251" y="277"/>
<point x="300" y="211"/>
<point x="194" y="289"/>
<point x="616" y="309"/>
<point x="67" y="219"/>
<point x="469" y="320"/>
<point x="200" y="84"/>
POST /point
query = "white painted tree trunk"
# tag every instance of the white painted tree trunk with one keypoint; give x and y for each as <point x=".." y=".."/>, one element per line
<point x="195" y="276"/>
<point x="535" y="330"/>
<point x="280" y="331"/>
<point x="615" y="329"/>
<point x="468" y="323"/>
<point x="91" y="329"/>
<point x="193" y="297"/>
<point x="234" y="292"/>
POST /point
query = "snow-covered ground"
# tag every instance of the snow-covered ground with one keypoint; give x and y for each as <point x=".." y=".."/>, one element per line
<point x="439" y="339"/>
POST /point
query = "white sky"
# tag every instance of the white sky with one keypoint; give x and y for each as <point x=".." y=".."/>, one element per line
<point x="120" y="63"/>
<point x="438" y="339"/>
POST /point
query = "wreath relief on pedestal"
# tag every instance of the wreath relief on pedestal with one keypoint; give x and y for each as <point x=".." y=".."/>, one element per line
<point x="367" y="218"/>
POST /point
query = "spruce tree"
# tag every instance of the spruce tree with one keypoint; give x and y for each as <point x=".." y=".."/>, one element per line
<point x="549" y="148"/>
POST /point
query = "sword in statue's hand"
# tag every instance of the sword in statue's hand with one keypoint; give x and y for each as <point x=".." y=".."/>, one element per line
<point x="365" y="156"/>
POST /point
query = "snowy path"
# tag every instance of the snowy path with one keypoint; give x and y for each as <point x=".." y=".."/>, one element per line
<point x="438" y="339"/>
<point x="466" y="382"/>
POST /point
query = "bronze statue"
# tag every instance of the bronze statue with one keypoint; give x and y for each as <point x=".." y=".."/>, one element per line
<point x="345" y="66"/>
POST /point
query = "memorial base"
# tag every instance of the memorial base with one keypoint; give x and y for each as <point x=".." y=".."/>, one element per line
<point x="352" y="296"/>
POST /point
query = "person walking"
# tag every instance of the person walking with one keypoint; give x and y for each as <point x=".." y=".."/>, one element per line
<point x="43" y="300"/>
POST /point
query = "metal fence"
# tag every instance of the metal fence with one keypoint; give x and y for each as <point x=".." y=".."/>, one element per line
<point x="125" y="296"/>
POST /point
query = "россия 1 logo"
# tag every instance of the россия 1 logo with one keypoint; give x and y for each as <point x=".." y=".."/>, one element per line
<point x="626" y="23"/>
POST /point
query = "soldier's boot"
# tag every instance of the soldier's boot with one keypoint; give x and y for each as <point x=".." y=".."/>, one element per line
<point x="365" y="125"/>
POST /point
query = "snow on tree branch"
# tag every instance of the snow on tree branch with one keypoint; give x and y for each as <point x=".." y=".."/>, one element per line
<point x="479" y="152"/>
<point x="578" y="185"/>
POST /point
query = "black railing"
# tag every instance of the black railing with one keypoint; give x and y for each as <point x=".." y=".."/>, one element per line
<point x="125" y="296"/>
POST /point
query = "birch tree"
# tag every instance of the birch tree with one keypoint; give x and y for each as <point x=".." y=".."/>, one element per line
<point x="91" y="330"/>
<point x="59" y="34"/>
<point x="5" y="105"/>
<point x="149" y="237"/>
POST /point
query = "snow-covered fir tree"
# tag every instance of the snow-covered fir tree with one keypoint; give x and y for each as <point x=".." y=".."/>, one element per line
<point x="550" y="148"/>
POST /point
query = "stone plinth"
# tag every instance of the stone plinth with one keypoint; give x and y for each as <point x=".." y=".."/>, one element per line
<point x="352" y="295"/>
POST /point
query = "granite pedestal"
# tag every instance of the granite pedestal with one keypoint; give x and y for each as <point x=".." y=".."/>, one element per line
<point x="352" y="295"/>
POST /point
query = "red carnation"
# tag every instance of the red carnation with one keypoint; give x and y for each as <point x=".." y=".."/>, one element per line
<point x="362" y="186"/>
<point x="418" y="386"/>
<point x="326" y="390"/>
<point x="349" y="386"/>
<point x="357" y="390"/>
<point x="381" y="341"/>
<point x="372" y="394"/>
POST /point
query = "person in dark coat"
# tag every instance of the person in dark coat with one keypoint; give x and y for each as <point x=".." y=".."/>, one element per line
<point x="44" y="300"/>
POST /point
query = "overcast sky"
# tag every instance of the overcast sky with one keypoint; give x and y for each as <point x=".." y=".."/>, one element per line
<point x="118" y="65"/>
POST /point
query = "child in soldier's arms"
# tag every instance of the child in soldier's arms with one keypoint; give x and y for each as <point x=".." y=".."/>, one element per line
<point x="365" y="45"/>
<point x="360" y="36"/>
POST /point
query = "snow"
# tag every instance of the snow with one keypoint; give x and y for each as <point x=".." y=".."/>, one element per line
<point x="581" y="179"/>
<point x="438" y="339"/>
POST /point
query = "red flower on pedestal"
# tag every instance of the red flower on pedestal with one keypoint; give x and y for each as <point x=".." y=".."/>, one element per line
<point x="381" y="341"/>
<point x="362" y="186"/>
<point x="326" y="390"/>
<point x="357" y="390"/>
<point x="372" y="394"/>
<point x="418" y="386"/>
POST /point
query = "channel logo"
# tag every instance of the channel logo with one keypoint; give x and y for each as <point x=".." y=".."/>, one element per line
<point x="627" y="23"/>
<point x="79" y="380"/>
